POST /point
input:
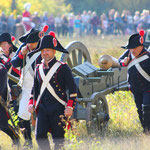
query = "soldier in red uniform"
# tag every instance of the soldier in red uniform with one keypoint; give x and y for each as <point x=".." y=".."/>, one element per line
<point x="26" y="17"/>
<point x="51" y="82"/>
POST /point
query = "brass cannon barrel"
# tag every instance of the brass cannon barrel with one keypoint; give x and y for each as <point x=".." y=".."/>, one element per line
<point x="106" y="61"/>
<point x="13" y="78"/>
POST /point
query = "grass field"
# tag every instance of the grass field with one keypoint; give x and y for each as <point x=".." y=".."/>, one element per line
<point x="124" y="130"/>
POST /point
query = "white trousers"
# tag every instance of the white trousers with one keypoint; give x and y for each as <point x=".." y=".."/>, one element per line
<point x="26" y="92"/>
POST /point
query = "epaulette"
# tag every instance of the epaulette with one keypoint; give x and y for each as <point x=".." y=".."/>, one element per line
<point x="63" y="63"/>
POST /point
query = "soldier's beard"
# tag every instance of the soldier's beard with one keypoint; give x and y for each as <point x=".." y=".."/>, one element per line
<point x="46" y="60"/>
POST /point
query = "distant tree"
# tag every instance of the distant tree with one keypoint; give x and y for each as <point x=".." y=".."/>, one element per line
<point x="101" y="6"/>
<point x="76" y="6"/>
<point x="13" y="5"/>
<point x="51" y="6"/>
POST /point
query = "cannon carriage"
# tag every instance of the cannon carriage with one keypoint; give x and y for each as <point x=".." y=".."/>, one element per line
<point x="93" y="84"/>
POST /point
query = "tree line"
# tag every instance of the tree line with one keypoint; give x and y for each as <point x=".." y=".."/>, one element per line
<point x="75" y="6"/>
<point x="102" y="6"/>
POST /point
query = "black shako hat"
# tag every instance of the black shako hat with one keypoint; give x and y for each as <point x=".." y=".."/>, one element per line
<point x="33" y="37"/>
<point x="135" y="40"/>
<point x="49" y="41"/>
<point x="7" y="37"/>
<point x="23" y="38"/>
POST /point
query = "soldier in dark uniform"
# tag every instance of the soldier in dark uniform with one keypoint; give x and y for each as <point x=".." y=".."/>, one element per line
<point x="17" y="62"/>
<point x="52" y="79"/>
<point x="4" y="126"/>
<point x="27" y="64"/>
<point x="137" y="60"/>
<point x="5" y="57"/>
<point x="8" y="49"/>
<point x="22" y="39"/>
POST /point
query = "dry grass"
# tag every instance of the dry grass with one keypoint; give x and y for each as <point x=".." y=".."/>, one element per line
<point x="124" y="130"/>
<point x="98" y="46"/>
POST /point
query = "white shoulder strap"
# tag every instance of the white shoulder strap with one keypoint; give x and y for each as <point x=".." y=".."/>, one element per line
<point x="142" y="72"/>
<point x="5" y="60"/>
<point x="136" y="62"/>
<point x="30" y="61"/>
<point x="28" y="67"/>
<point x="46" y="84"/>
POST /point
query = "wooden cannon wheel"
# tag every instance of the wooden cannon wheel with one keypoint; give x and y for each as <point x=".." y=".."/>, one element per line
<point x="97" y="114"/>
<point x="78" y="53"/>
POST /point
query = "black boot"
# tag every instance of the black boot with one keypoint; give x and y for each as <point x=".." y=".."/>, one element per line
<point x="26" y="131"/>
<point x="140" y="113"/>
<point x="146" y="118"/>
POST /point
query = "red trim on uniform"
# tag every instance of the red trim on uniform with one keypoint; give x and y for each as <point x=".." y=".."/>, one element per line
<point x="123" y="64"/>
<point x="16" y="71"/>
<point x="20" y="55"/>
<point x="30" y="101"/>
<point x="61" y="62"/>
<point x="8" y="59"/>
<point x="3" y="61"/>
<point x="70" y="103"/>
<point x="68" y="125"/>
<point x="50" y="130"/>
<point x="7" y="115"/>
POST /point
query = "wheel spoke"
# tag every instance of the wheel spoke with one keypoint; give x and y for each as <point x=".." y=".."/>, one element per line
<point x="69" y="62"/>
<point x="74" y="58"/>
<point x="79" y="57"/>
<point x="98" y="123"/>
<point x="78" y="53"/>
<point x="101" y="105"/>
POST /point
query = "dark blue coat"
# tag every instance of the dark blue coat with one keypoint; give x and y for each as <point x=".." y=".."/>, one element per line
<point x="14" y="71"/>
<point x="3" y="81"/>
<point x="17" y="60"/>
<point x="135" y="79"/>
<point x="62" y="81"/>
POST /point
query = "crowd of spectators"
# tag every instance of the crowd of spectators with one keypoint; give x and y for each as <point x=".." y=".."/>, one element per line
<point x="87" y="23"/>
